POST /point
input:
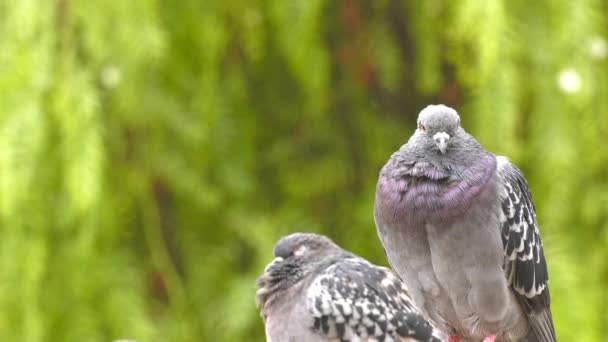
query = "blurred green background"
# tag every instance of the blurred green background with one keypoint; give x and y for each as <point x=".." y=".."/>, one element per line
<point x="152" y="152"/>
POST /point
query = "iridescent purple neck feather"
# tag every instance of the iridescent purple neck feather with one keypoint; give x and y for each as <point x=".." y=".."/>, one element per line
<point x="437" y="174"/>
<point x="421" y="191"/>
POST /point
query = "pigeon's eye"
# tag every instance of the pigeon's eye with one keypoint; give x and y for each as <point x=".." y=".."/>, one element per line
<point x="422" y="128"/>
<point x="300" y="250"/>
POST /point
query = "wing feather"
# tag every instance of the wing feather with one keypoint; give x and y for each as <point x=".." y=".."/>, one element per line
<point x="525" y="264"/>
<point x="353" y="299"/>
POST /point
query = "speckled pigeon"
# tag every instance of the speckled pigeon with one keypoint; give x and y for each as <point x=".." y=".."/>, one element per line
<point x="459" y="226"/>
<point x="316" y="291"/>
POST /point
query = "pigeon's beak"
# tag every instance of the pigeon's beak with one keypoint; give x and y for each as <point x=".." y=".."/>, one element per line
<point x="272" y="263"/>
<point x="441" y="140"/>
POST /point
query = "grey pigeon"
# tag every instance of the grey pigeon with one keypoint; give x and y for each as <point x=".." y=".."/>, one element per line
<point x="459" y="226"/>
<point x="316" y="291"/>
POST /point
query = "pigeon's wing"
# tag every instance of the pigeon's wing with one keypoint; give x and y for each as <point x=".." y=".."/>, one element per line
<point x="353" y="299"/>
<point x="525" y="265"/>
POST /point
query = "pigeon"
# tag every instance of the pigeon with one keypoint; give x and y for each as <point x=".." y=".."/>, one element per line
<point x="458" y="225"/>
<point x="316" y="291"/>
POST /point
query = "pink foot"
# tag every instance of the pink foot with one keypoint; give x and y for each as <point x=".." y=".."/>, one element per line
<point x="454" y="338"/>
<point x="491" y="338"/>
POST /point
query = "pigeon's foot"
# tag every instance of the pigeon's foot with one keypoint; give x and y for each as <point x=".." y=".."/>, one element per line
<point x="491" y="338"/>
<point x="454" y="339"/>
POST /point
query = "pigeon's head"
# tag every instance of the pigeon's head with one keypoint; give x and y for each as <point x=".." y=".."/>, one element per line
<point x="305" y="247"/>
<point x="296" y="256"/>
<point x="438" y="129"/>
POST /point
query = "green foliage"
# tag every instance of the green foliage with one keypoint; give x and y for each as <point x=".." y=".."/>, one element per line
<point x="152" y="152"/>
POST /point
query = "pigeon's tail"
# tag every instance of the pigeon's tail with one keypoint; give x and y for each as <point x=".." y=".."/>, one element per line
<point x="542" y="327"/>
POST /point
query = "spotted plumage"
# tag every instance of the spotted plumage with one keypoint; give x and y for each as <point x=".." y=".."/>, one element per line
<point x="316" y="291"/>
<point x="459" y="226"/>
<point x="525" y="265"/>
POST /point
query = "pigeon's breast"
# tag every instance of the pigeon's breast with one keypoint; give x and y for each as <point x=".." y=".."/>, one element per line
<point x="423" y="192"/>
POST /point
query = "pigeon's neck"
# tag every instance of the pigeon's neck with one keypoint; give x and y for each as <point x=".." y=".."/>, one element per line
<point x="277" y="279"/>
<point x="283" y="279"/>
<point x="422" y="191"/>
